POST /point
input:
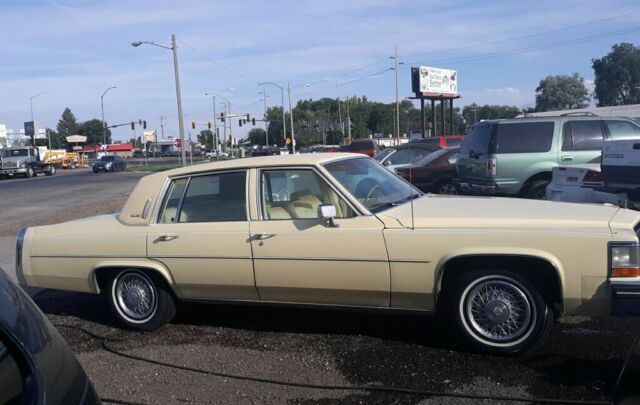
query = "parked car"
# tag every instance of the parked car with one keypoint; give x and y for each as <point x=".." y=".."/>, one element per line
<point x="448" y="141"/>
<point x="395" y="157"/>
<point x="137" y="154"/>
<point x="434" y="173"/>
<point x="516" y="156"/>
<point x="334" y="229"/>
<point x="109" y="164"/>
<point x="575" y="183"/>
<point x="265" y="151"/>
<point x="364" y="146"/>
<point x="36" y="364"/>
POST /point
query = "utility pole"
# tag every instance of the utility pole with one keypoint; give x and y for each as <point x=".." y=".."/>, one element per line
<point x="339" y="111"/>
<point x="174" y="48"/>
<point x="224" y="123"/>
<point x="266" y="125"/>
<point x="293" y="139"/>
<point x="348" y="120"/>
<point x="162" y="126"/>
<point x="397" y="98"/>
<point x="215" y="127"/>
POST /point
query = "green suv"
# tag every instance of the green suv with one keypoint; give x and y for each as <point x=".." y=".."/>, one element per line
<point x="516" y="156"/>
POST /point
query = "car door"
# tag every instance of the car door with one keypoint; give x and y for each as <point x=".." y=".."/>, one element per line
<point x="581" y="141"/>
<point x="301" y="258"/>
<point x="201" y="234"/>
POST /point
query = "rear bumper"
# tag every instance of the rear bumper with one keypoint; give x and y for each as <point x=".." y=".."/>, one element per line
<point x="477" y="188"/>
<point x="625" y="298"/>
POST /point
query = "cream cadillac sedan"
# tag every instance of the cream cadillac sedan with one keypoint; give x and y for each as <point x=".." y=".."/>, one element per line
<point x="339" y="230"/>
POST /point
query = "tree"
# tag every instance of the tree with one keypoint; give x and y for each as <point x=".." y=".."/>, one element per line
<point x="561" y="92"/>
<point x="92" y="129"/>
<point x="67" y="125"/>
<point x="475" y="113"/>
<point x="205" y="138"/>
<point x="257" y="136"/>
<point x="617" y="76"/>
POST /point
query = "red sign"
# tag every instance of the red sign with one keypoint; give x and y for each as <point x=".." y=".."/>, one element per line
<point x="176" y="142"/>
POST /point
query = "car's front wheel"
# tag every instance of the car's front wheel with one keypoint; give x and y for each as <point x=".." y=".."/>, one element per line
<point x="499" y="312"/>
<point x="140" y="300"/>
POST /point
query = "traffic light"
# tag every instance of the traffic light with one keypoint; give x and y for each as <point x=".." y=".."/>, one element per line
<point x="193" y="125"/>
<point x="209" y="125"/>
<point x="253" y="121"/>
<point x="239" y="122"/>
<point x="144" y="124"/>
<point x="222" y="117"/>
<point x="133" y="126"/>
<point x="248" y="117"/>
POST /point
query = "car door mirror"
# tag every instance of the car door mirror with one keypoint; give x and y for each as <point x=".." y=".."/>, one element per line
<point x="387" y="163"/>
<point x="328" y="212"/>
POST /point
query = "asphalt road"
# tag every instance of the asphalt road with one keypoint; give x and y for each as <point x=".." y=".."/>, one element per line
<point x="580" y="361"/>
<point x="28" y="200"/>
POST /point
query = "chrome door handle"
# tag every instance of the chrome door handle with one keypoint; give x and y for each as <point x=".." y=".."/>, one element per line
<point x="262" y="236"/>
<point x="566" y="158"/>
<point x="166" y="238"/>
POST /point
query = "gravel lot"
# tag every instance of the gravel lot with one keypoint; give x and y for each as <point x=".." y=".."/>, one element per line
<point x="580" y="361"/>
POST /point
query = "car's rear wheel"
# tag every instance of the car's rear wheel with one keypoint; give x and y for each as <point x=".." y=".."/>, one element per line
<point x="140" y="300"/>
<point x="51" y="171"/>
<point x="537" y="190"/>
<point x="498" y="311"/>
<point x="447" y="187"/>
<point x="29" y="173"/>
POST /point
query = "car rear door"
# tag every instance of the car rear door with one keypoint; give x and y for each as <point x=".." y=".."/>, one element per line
<point x="581" y="141"/>
<point x="201" y="234"/>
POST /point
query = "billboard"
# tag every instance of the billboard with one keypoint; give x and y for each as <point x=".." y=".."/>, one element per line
<point x="434" y="81"/>
<point x="3" y="131"/>
<point x="149" y="136"/>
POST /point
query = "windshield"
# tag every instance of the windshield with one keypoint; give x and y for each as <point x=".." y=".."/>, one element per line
<point x="431" y="157"/>
<point x="374" y="186"/>
<point x="15" y="153"/>
<point x="107" y="159"/>
<point x="380" y="156"/>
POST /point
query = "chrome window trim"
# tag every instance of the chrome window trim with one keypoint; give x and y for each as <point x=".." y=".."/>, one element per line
<point x="296" y="167"/>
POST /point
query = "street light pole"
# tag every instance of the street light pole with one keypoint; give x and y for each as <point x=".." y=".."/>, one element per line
<point x="32" y="119"/>
<point x="284" y="121"/>
<point x="264" y="115"/>
<point x="104" y="124"/>
<point x="174" y="49"/>
<point x="293" y="139"/>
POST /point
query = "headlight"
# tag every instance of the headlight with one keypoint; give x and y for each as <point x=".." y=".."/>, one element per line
<point x="23" y="165"/>
<point x="624" y="260"/>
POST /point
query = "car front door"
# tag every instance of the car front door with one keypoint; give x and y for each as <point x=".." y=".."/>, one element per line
<point x="201" y="234"/>
<point x="299" y="257"/>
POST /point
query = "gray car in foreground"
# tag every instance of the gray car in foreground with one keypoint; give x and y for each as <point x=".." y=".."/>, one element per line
<point x="36" y="364"/>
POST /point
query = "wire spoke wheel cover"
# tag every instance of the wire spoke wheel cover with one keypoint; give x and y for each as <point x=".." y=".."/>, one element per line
<point x="135" y="297"/>
<point x="498" y="311"/>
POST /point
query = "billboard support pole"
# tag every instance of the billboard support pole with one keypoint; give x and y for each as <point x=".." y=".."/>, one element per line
<point x="451" y="115"/>
<point x="422" y="120"/>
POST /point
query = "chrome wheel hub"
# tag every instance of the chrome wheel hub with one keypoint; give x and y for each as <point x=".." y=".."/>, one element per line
<point x="499" y="310"/>
<point x="135" y="296"/>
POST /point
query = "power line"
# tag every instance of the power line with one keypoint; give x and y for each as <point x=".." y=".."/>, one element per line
<point x="464" y="48"/>
<point x="218" y="63"/>
<point x="517" y="51"/>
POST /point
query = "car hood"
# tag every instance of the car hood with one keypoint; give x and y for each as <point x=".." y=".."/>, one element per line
<point x="435" y="211"/>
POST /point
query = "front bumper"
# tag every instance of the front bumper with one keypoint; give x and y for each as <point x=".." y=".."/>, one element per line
<point x="625" y="298"/>
<point x="102" y="168"/>
<point x="11" y="172"/>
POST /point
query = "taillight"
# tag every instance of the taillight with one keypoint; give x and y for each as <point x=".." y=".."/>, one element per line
<point x="592" y="176"/>
<point x="491" y="167"/>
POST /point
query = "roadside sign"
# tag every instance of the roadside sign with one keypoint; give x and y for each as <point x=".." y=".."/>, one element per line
<point x="29" y="128"/>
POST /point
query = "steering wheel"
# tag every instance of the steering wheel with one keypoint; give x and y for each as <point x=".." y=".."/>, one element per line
<point x="366" y="190"/>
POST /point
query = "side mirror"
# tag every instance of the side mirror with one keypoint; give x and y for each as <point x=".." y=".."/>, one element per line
<point x="328" y="212"/>
<point x="387" y="163"/>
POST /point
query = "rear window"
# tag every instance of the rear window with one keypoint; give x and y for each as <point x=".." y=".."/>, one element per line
<point x="478" y="140"/>
<point x="524" y="137"/>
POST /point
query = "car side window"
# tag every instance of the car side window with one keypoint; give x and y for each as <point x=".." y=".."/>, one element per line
<point x="11" y="378"/>
<point x="215" y="198"/>
<point x="623" y="130"/>
<point x="171" y="203"/>
<point x="582" y="135"/>
<point x="398" y="158"/>
<point x="296" y="194"/>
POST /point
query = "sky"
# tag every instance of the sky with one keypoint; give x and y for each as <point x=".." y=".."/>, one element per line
<point x="68" y="52"/>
